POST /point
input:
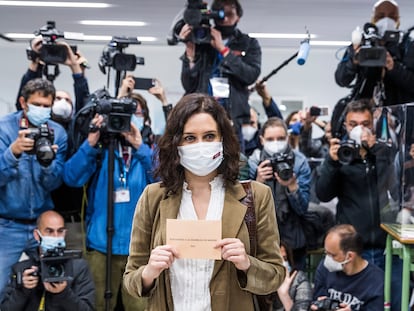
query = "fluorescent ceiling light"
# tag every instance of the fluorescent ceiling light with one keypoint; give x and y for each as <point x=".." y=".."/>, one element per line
<point x="330" y="43"/>
<point x="113" y="23"/>
<point x="85" y="37"/>
<point x="262" y="35"/>
<point x="60" y="4"/>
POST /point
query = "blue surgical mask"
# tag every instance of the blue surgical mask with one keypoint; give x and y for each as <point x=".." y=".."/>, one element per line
<point x="48" y="243"/>
<point x="295" y="128"/>
<point x="38" y="115"/>
<point x="138" y="122"/>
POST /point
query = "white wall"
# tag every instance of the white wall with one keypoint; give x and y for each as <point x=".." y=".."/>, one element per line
<point x="312" y="82"/>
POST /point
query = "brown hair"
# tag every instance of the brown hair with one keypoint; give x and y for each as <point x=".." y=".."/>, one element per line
<point x="273" y="122"/>
<point x="350" y="239"/>
<point x="144" y="106"/>
<point x="169" y="169"/>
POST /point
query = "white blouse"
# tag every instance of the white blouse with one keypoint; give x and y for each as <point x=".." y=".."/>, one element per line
<point x="190" y="278"/>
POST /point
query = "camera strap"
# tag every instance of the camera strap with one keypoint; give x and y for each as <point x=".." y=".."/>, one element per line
<point x="42" y="302"/>
<point x="24" y="123"/>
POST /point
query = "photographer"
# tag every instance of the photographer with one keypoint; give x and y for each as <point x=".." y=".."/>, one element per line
<point x="359" y="171"/>
<point x="32" y="154"/>
<point x="287" y="173"/>
<point x="132" y="172"/>
<point x="391" y="83"/>
<point x="27" y="291"/>
<point x="231" y="60"/>
<point x="344" y="280"/>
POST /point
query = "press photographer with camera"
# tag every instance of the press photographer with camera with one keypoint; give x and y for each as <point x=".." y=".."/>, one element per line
<point x="381" y="63"/>
<point x="115" y="121"/>
<point x="54" y="278"/>
<point x="32" y="154"/>
<point x="359" y="171"/>
<point x="344" y="280"/>
<point x="287" y="173"/>
<point x="225" y="63"/>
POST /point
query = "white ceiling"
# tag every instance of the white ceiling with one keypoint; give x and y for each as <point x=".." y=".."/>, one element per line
<point x="328" y="19"/>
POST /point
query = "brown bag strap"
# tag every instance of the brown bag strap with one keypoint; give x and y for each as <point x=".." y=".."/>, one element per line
<point x="250" y="217"/>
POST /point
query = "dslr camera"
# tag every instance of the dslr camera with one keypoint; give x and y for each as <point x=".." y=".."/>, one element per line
<point x="56" y="265"/>
<point x="327" y="304"/>
<point x="198" y="16"/>
<point x="372" y="52"/>
<point x="282" y="164"/>
<point x="51" y="52"/>
<point x="348" y="151"/>
<point x="113" y="55"/>
<point x="43" y="138"/>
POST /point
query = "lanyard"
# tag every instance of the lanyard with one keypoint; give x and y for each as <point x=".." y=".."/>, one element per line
<point x="124" y="165"/>
<point x="42" y="303"/>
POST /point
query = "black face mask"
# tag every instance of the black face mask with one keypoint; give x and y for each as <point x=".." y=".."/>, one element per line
<point x="226" y="31"/>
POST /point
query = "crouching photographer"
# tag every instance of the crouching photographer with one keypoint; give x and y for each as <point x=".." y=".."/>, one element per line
<point x="55" y="279"/>
<point x="288" y="174"/>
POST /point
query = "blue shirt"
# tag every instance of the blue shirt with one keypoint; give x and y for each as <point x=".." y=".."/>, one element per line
<point x="25" y="185"/>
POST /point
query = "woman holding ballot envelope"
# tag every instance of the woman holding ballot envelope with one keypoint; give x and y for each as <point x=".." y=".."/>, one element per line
<point x="198" y="167"/>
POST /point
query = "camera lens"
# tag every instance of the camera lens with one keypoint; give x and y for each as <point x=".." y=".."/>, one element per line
<point x="56" y="270"/>
<point x="347" y="153"/>
<point x="284" y="171"/>
<point x="44" y="151"/>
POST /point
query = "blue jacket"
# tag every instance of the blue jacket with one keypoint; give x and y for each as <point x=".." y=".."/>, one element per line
<point x="25" y="185"/>
<point x="84" y="166"/>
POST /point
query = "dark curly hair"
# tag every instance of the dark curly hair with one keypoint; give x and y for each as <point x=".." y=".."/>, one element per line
<point x="43" y="86"/>
<point x="169" y="169"/>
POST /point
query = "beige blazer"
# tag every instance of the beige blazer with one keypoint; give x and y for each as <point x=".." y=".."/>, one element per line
<point x="230" y="288"/>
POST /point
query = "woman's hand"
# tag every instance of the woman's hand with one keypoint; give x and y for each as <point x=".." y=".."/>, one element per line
<point x="161" y="258"/>
<point x="233" y="250"/>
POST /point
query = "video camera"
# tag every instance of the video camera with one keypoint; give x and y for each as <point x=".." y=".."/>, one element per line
<point x="282" y="164"/>
<point x="51" y="52"/>
<point x="43" y="138"/>
<point x="372" y="52"/>
<point x="113" y="55"/>
<point x="198" y="16"/>
<point x="56" y="265"/>
<point x="327" y="304"/>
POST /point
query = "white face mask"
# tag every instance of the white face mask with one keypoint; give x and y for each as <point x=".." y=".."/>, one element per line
<point x="385" y="24"/>
<point x="273" y="147"/>
<point x="201" y="158"/>
<point x="355" y="134"/>
<point x="248" y="132"/>
<point x="62" y="109"/>
<point x="287" y="266"/>
<point x="333" y="265"/>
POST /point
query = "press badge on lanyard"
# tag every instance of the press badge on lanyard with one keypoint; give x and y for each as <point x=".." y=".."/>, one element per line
<point x="220" y="87"/>
<point x="121" y="194"/>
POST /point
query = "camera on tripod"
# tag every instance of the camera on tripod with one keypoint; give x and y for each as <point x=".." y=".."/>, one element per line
<point x="43" y="140"/>
<point x="113" y="55"/>
<point x="372" y="52"/>
<point x="56" y="265"/>
<point x="198" y="16"/>
<point x="51" y="52"/>
<point x="327" y="304"/>
<point x="116" y="112"/>
<point x="348" y="151"/>
<point x="282" y="164"/>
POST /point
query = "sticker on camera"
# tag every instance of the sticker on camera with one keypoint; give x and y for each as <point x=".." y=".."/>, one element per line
<point x="220" y="87"/>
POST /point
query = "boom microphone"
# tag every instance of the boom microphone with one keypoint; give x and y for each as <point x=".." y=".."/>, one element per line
<point x="303" y="52"/>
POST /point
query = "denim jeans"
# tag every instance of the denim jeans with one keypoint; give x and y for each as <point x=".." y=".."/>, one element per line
<point x="377" y="257"/>
<point x="15" y="238"/>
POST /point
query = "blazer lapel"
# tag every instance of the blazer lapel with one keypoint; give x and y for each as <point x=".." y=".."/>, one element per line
<point x="233" y="215"/>
<point x="169" y="208"/>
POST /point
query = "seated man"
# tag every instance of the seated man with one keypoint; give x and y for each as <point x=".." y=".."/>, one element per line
<point x="26" y="291"/>
<point x="345" y="277"/>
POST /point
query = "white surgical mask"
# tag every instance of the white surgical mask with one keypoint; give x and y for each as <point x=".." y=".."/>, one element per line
<point x="201" y="158"/>
<point x="48" y="243"/>
<point x="333" y="265"/>
<point x="62" y="109"/>
<point x="38" y="115"/>
<point x="356" y="133"/>
<point x="248" y="132"/>
<point x="273" y="147"/>
<point x="385" y="24"/>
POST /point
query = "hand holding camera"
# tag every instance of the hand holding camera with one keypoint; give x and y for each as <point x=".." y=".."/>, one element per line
<point x="328" y="304"/>
<point x="30" y="277"/>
